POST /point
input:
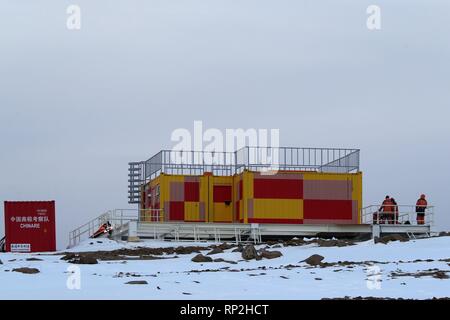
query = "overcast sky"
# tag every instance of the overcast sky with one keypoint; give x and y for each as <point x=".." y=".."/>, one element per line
<point x="77" y="106"/>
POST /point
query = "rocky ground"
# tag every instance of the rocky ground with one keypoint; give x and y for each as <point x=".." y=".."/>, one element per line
<point x="388" y="268"/>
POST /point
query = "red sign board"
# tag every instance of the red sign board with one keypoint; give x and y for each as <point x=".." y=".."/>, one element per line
<point x="30" y="226"/>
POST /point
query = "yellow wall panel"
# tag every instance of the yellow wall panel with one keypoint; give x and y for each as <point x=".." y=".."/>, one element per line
<point x="277" y="209"/>
<point x="222" y="212"/>
<point x="191" y="211"/>
<point x="357" y="192"/>
<point x="247" y="183"/>
<point x="222" y="180"/>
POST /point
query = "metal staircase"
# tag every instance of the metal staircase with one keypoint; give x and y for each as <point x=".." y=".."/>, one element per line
<point x="118" y="218"/>
<point x="135" y="181"/>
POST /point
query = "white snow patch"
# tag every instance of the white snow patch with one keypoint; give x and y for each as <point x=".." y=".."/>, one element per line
<point x="175" y="276"/>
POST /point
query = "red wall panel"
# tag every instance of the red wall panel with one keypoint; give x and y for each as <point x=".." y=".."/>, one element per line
<point x="278" y="189"/>
<point x="327" y="209"/>
<point x="222" y="193"/>
<point x="192" y="191"/>
<point x="176" y="210"/>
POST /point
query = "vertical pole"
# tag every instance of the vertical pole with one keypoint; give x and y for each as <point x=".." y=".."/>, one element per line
<point x="376" y="231"/>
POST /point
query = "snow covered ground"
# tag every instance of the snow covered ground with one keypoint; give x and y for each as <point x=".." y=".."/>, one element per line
<point x="281" y="278"/>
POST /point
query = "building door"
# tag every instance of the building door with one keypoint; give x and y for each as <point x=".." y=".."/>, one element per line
<point x="222" y="204"/>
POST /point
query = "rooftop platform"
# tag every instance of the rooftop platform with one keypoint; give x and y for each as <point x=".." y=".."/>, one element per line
<point x="179" y="162"/>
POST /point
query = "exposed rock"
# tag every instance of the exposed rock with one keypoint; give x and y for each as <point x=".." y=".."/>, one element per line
<point x="271" y="254"/>
<point x="139" y="253"/>
<point x="389" y="238"/>
<point x="223" y="260"/>
<point x="249" y="253"/>
<point x="320" y="242"/>
<point x="188" y="250"/>
<point x="333" y="243"/>
<point x="255" y="274"/>
<point x="26" y="270"/>
<point x="201" y="258"/>
<point x="69" y="256"/>
<point x="277" y="246"/>
<point x="34" y="259"/>
<point x="239" y="248"/>
<point x="1" y="262"/>
<point x="435" y="273"/>
<point x="294" y="242"/>
<point x="225" y="246"/>
<point x="121" y="254"/>
<point x="137" y="282"/>
<point x="128" y="274"/>
<point x="314" y="260"/>
<point x="440" y="275"/>
<point x="215" y="251"/>
<point x="84" y="260"/>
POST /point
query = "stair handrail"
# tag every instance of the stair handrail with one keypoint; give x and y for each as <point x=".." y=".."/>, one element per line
<point x="75" y="236"/>
<point x="3" y="244"/>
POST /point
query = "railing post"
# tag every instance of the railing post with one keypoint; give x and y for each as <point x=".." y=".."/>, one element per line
<point x="121" y="217"/>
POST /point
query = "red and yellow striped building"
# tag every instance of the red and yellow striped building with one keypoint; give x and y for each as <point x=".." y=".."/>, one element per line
<point x="287" y="197"/>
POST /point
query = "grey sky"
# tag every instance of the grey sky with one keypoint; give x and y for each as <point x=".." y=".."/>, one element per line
<point x="76" y="106"/>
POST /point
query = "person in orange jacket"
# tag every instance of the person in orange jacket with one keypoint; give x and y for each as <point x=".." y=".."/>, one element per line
<point x="421" y="206"/>
<point x="387" y="210"/>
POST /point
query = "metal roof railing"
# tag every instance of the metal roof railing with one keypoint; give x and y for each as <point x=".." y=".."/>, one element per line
<point x="181" y="162"/>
